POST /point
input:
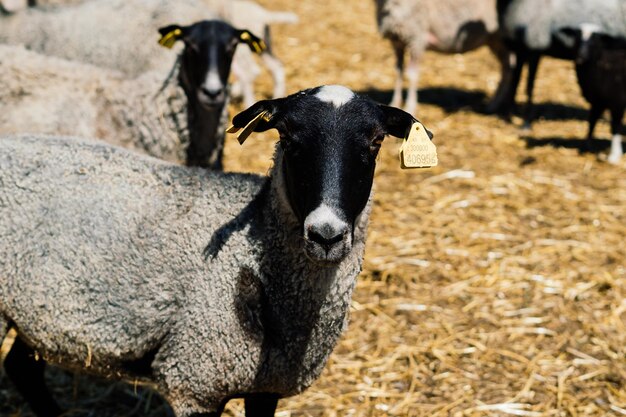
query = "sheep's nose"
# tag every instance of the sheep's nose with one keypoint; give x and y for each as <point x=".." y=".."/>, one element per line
<point x="326" y="234"/>
<point x="212" y="92"/>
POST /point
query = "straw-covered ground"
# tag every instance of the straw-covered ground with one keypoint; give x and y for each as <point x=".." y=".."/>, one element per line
<point x="494" y="284"/>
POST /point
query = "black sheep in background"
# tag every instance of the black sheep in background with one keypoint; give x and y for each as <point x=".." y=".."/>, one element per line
<point x="601" y="71"/>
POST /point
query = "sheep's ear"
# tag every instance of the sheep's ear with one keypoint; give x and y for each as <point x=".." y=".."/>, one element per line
<point x="259" y="117"/>
<point x="170" y="34"/>
<point x="256" y="44"/>
<point x="398" y="122"/>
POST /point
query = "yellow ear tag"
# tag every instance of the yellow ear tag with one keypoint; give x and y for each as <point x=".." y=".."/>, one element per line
<point x="417" y="150"/>
<point x="169" y="39"/>
<point x="249" y="128"/>
<point x="259" y="46"/>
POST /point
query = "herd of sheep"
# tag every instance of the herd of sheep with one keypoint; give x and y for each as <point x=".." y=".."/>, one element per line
<point x="150" y="263"/>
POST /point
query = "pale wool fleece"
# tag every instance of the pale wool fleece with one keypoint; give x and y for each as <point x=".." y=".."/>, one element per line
<point x="41" y="94"/>
<point x="116" y="34"/>
<point x="439" y="25"/>
<point x="540" y="19"/>
<point x="119" y="256"/>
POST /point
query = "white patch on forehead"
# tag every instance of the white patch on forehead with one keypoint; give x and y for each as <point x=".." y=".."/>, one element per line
<point x="337" y="95"/>
<point x="324" y="215"/>
<point x="588" y="29"/>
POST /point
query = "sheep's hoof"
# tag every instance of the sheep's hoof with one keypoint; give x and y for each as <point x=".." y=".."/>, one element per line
<point x="614" y="158"/>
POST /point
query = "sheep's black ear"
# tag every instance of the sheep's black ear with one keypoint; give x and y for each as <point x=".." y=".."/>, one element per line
<point x="398" y="122"/>
<point x="170" y="34"/>
<point x="259" y="117"/>
<point x="256" y="44"/>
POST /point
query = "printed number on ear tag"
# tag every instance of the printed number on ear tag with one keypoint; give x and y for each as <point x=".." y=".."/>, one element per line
<point x="249" y="128"/>
<point x="417" y="150"/>
<point x="169" y="39"/>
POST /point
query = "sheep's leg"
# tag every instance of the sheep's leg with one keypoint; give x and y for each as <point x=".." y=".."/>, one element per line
<point x="509" y="99"/>
<point x="507" y="62"/>
<point x="594" y="114"/>
<point x="261" y="405"/>
<point x="278" y="74"/>
<point x="245" y="70"/>
<point x="27" y="373"/>
<point x="398" y="48"/>
<point x="533" y="66"/>
<point x="616" y="141"/>
<point x="412" y="73"/>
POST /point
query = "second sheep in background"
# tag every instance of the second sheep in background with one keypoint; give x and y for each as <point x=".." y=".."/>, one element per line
<point x="448" y="26"/>
<point x="180" y="120"/>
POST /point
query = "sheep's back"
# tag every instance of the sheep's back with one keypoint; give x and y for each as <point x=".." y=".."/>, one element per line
<point x="48" y="95"/>
<point x="116" y="34"/>
<point x="538" y="20"/>
<point x="99" y="245"/>
<point x="449" y="26"/>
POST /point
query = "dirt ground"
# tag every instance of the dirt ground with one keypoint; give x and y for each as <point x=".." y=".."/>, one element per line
<point x="494" y="284"/>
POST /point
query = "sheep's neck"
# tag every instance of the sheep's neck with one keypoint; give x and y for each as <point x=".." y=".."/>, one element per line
<point x="306" y="305"/>
<point x="206" y="133"/>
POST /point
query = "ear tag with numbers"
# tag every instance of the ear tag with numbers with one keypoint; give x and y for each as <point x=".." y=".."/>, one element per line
<point x="417" y="150"/>
<point x="169" y="39"/>
<point x="249" y="128"/>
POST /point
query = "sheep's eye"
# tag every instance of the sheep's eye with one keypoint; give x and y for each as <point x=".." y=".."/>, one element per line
<point x="375" y="145"/>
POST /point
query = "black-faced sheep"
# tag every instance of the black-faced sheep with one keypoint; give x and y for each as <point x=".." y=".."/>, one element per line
<point x="181" y="120"/>
<point x="207" y="285"/>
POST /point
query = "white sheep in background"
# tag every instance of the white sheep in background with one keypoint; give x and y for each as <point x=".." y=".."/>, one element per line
<point x="181" y="119"/>
<point x="207" y="285"/>
<point x="448" y="26"/>
<point x="115" y="34"/>
<point x="241" y="13"/>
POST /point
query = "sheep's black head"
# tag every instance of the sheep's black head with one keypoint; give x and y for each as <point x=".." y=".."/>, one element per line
<point x="329" y="140"/>
<point x="207" y="57"/>
<point x="590" y="42"/>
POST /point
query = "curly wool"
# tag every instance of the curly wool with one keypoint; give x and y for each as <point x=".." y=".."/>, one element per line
<point x="41" y="94"/>
<point x="109" y="258"/>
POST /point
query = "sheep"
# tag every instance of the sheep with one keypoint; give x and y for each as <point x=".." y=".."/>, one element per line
<point x="241" y="13"/>
<point x="257" y="19"/>
<point x="601" y="73"/>
<point x="448" y="26"/>
<point x="207" y="285"/>
<point x="115" y="34"/>
<point x="178" y="121"/>
<point x="530" y="29"/>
